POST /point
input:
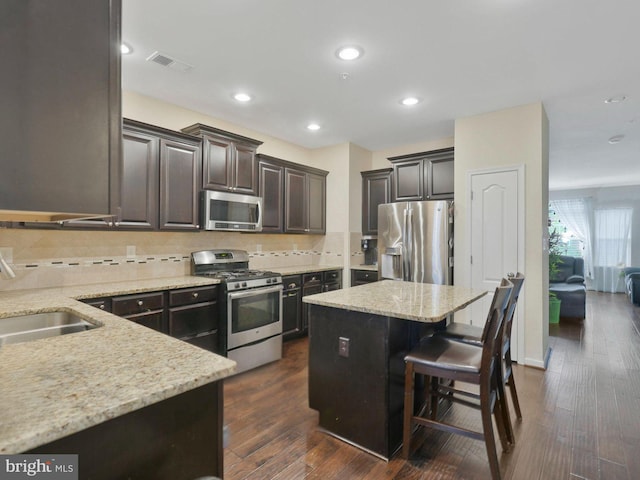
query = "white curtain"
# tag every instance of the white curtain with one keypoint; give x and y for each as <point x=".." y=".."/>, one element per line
<point x="612" y="247"/>
<point x="577" y="215"/>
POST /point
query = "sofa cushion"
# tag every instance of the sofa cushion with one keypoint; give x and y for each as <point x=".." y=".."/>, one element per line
<point x="575" y="279"/>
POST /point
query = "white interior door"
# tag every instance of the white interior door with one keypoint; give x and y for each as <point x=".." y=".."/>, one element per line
<point x="495" y="238"/>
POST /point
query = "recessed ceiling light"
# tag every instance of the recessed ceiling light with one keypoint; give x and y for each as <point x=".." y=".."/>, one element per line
<point x="616" y="99"/>
<point x="313" y="126"/>
<point x="242" y="97"/>
<point x="125" y="49"/>
<point x="616" y="139"/>
<point x="409" y="101"/>
<point x="350" y="52"/>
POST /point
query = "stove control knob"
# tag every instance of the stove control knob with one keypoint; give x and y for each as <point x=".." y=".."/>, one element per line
<point x="237" y="285"/>
<point x="244" y="284"/>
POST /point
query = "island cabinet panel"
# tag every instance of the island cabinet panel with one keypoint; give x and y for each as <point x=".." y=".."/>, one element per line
<point x="229" y="160"/>
<point x="350" y="388"/>
<point x="423" y="176"/>
<point x="177" y="438"/>
<point x="376" y="190"/>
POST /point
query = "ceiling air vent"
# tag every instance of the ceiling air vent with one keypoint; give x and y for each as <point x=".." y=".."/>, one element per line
<point x="167" y="61"/>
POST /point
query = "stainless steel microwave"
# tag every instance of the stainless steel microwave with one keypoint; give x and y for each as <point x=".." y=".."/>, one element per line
<point x="232" y="212"/>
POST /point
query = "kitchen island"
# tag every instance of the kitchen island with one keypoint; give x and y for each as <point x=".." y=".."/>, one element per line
<point x="132" y="402"/>
<point x="358" y="338"/>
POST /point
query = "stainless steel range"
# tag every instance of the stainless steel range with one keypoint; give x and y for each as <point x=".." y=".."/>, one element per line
<point x="251" y="304"/>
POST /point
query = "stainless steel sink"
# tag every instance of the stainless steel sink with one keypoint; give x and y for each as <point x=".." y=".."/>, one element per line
<point x="26" y="328"/>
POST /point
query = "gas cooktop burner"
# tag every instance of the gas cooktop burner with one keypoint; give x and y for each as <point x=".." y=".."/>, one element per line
<point x="231" y="267"/>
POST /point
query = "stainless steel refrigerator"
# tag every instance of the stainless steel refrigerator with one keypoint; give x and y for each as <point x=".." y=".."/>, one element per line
<point x="415" y="241"/>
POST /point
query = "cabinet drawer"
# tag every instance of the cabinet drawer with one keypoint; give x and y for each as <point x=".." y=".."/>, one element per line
<point x="312" y="278"/>
<point x="131" y="304"/>
<point x="332" y="276"/>
<point x="186" y="322"/>
<point x="101" y="303"/>
<point x="291" y="282"/>
<point x="208" y="341"/>
<point x="189" y="296"/>
<point x="365" y="276"/>
<point x="153" y="320"/>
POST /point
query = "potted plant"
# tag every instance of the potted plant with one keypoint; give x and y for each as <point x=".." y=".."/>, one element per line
<point x="554" y="261"/>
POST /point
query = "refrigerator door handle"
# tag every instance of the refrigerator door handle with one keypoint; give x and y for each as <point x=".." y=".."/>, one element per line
<point x="407" y="254"/>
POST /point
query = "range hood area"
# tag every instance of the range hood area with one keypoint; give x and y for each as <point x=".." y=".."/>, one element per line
<point x="61" y="125"/>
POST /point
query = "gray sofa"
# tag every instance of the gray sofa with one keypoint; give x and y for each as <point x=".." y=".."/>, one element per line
<point x="568" y="285"/>
<point x="632" y="284"/>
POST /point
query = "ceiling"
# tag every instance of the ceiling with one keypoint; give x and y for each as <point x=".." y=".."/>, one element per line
<point x="460" y="57"/>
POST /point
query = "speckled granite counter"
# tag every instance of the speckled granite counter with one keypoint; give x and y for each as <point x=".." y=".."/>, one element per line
<point x="54" y="387"/>
<point x="421" y="302"/>
<point x="368" y="268"/>
<point x="304" y="269"/>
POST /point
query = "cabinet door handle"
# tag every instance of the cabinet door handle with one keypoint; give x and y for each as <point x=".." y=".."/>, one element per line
<point x="101" y="306"/>
<point x="194" y="294"/>
<point x="140" y="303"/>
<point x="292" y="285"/>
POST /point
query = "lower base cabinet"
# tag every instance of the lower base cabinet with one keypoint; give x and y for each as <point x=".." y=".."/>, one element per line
<point x="362" y="277"/>
<point x="292" y="307"/>
<point x="189" y="314"/>
<point x="177" y="438"/>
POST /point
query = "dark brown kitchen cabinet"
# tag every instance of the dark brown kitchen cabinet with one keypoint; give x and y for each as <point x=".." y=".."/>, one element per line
<point x="376" y="190"/>
<point x="318" y="282"/>
<point x="271" y="189"/>
<point x="147" y="309"/>
<point x="61" y="106"/>
<point x="229" y="160"/>
<point x="292" y="326"/>
<point x="305" y="201"/>
<point x="194" y="317"/>
<point x="189" y="314"/>
<point x="160" y="178"/>
<point x="423" y="176"/>
<point x="362" y="277"/>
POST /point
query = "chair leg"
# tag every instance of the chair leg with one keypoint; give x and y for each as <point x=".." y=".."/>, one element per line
<point x="489" y="438"/>
<point x="408" y="410"/>
<point x="433" y="402"/>
<point x="514" y="394"/>
<point x="501" y="410"/>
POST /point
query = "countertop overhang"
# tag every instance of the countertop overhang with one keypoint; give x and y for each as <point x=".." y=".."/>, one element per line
<point x="421" y="302"/>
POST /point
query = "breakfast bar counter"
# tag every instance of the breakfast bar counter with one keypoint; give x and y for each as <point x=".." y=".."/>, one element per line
<point x="358" y="338"/>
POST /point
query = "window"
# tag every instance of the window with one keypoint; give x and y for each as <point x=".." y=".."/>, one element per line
<point x="612" y="237"/>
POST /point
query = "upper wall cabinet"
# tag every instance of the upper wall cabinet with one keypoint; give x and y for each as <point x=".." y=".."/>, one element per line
<point x="160" y="181"/>
<point x="293" y="196"/>
<point x="229" y="160"/>
<point x="423" y="176"/>
<point x="271" y="189"/>
<point x="60" y="116"/>
<point x="376" y="190"/>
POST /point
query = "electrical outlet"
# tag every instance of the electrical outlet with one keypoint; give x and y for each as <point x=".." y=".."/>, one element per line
<point x="131" y="251"/>
<point x="343" y="347"/>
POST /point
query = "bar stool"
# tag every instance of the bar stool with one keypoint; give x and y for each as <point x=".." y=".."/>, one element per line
<point x="438" y="358"/>
<point x="470" y="334"/>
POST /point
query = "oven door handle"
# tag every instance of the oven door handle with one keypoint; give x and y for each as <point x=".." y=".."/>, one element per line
<point x="254" y="291"/>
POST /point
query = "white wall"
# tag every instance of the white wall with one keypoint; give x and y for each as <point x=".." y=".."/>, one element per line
<point x="511" y="137"/>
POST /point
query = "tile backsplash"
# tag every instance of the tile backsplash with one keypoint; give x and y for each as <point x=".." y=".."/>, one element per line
<point x="52" y="258"/>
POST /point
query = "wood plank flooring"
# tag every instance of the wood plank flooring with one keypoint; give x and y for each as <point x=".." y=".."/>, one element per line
<point x="581" y="416"/>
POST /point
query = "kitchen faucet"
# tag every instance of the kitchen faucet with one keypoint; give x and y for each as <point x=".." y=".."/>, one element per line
<point x="6" y="269"/>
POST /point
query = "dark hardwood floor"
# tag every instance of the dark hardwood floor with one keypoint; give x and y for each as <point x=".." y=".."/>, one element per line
<point x="581" y="416"/>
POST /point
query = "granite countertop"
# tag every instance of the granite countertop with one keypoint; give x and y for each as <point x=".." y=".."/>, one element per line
<point x="54" y="387"/>
<point x="371" y="268"/>
<point x="422" y="302"/>
<point x="304" y="269"/>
